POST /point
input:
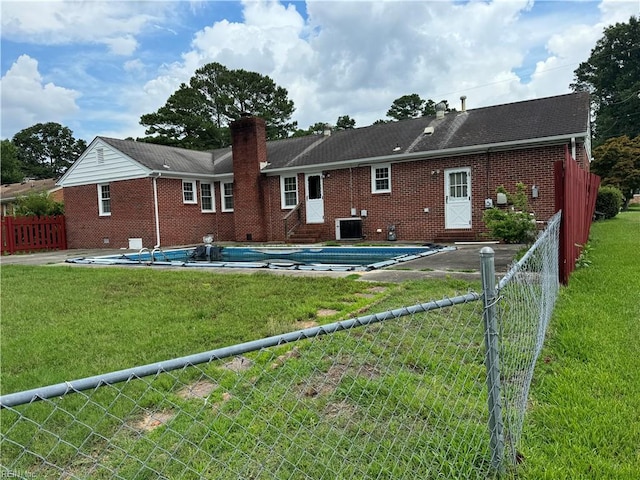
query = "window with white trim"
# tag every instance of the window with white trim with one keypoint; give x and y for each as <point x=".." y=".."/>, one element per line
<point x="289" y="191"/>
<point x="104" y="200"/>
<point x="381" y="178"/>
<point x="206" y="197"/>
<point x="189" y="191"/>
<point x="226" y="195"/>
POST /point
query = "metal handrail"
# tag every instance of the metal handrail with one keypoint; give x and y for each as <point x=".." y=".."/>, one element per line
<point x="288" y="231"/>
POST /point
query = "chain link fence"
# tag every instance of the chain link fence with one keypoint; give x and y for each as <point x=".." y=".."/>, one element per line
<point x="401" y="394"/>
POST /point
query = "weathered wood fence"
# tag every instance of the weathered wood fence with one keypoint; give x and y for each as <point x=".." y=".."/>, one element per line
<point x="576" y="193"/>
<point x="27" y="234"/>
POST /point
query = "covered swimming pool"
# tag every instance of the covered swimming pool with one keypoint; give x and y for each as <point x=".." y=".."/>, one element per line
<point x="341" y="258"/>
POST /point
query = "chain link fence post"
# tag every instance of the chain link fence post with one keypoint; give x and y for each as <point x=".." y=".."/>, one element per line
<point x="492" y="360"/>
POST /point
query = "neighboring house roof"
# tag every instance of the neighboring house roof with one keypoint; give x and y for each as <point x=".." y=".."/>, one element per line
<point x="532" y="122"/>
<point x="8" y="193"/>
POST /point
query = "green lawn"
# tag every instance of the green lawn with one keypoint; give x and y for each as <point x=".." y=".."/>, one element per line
<point x="584" y="420"/>
<point x="61" y="323"/>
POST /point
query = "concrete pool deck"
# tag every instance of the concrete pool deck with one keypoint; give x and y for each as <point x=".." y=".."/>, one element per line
<point x="463" y="263"/>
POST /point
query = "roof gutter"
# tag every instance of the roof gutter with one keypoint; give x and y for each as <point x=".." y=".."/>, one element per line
<point x="448" y="152"/>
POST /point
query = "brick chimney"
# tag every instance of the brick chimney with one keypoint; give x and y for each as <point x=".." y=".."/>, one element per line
<point x="249" y="141"/>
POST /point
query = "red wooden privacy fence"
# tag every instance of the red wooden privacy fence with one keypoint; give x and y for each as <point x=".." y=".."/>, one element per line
<point x="26" y="234"/>
<point x="576" y="193"/>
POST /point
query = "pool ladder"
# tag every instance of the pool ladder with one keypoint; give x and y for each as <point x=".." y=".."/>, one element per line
<point x="152" y="254"/>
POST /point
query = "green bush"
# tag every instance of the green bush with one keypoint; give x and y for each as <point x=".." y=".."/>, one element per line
<point x="510" y="226"/>
<point x="37" y="205"/>
<point x="609" y="201"/>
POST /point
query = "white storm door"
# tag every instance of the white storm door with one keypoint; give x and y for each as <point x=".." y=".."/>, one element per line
<point x="314" y="201"/>
<point x="457" y="198"/>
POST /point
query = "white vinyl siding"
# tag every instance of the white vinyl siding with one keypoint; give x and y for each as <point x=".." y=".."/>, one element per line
<point x="206" y="197"/>
<point x="104" y="200"/>
<point x="381" y="178"/>
<point x="289" y="192"/>
<point x="189" y="191"/>
<point x="109" y="166"/>
<point x="226" y="197"/>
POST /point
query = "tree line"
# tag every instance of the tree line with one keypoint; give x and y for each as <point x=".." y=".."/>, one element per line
<point x="198" y="114"/>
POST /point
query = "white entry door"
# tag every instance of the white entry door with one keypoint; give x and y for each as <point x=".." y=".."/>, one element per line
<point x="314" y="201"/>
<point x="457" y="198"/>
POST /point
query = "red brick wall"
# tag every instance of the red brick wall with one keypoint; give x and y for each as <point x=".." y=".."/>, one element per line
<point x="133" y="216"/>
<point x="414" y="188"/>
<point x="249" y="150"/>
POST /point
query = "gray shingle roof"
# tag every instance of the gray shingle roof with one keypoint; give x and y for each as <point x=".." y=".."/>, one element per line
<point x="539" y="119"/>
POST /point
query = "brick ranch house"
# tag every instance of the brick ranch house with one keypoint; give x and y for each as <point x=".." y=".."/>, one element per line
<point x="423" y="179"/>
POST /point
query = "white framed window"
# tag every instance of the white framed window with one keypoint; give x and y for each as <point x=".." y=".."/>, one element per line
<point x="289" y="191"/>
<point x="206" y="197"/>
<point x="381" y="178"/>
<point x="189" y="191"/>
<point x="104" y="200"/>
<point x="226" y="197"/>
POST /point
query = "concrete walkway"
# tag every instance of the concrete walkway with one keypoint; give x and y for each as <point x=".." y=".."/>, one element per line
<point x="463" y="263"/>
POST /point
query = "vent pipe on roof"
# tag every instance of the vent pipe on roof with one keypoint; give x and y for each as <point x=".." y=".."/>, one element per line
<point x="463" y="99"/>
<point x="327" y="130"/>
<point x="440" y="108"/>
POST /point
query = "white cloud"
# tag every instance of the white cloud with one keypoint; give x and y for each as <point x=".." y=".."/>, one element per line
<point x="124" y="45"/>
<point x="342" y="57"/>
<point x="27" y="100"/>
<point x="113" y="24"/>
<point x="134" y="65"/>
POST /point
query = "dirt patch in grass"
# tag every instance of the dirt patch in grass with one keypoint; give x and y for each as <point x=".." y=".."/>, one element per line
<point x="326" y="312"/>
<point x="293" y="353"/>
<point x="239" y="364"/>
<point x="308" y="324"/>
<point x="152" y="420"/>
<point x="373" y="291"/>
<point x="326" y="384"/>
<point x="200" y="389"/>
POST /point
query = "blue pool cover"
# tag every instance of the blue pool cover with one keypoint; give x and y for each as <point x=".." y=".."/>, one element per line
<point x="289" y="258"/>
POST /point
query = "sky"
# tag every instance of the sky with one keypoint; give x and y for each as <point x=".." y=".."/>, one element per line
<point x="97" y="66"/>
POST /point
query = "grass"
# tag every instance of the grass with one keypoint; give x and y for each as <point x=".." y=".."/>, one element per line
<point x="349" y="396"/>
<point x="584" y="420"/>
<point x="95" y="320"/>
<point x="365" y="384"/>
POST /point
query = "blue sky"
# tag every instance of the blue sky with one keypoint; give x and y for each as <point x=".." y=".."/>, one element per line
<point x="97" y="66"/>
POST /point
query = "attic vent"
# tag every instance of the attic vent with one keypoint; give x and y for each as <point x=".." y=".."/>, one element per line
<point x="100" y="154"/>
<point x="428" y="131"/>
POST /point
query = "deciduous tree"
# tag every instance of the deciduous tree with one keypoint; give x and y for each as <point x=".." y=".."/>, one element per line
<point x="46" y="150"/>
<point x="612" y="76"/>
<point x="617" y="162"/>
<point x="9" y="164"/>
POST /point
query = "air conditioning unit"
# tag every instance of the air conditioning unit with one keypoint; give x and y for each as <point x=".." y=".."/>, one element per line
<point x="348" y="228"/>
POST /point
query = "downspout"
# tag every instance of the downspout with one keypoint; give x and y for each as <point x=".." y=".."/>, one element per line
<point x="155" y="207"/>
<point x="573" y="148"/>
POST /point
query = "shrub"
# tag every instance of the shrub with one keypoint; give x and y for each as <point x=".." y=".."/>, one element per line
<point x="510" y="226"/>
<point x="38" y="204"/>
<point x="609" y="201"/>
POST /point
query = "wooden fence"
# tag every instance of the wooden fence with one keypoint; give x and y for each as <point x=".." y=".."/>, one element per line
<point x="28" y="234"/>
<point x="576" y="193"/>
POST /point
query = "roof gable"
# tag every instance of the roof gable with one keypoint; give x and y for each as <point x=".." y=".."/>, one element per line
<point x="102" y="162"/>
